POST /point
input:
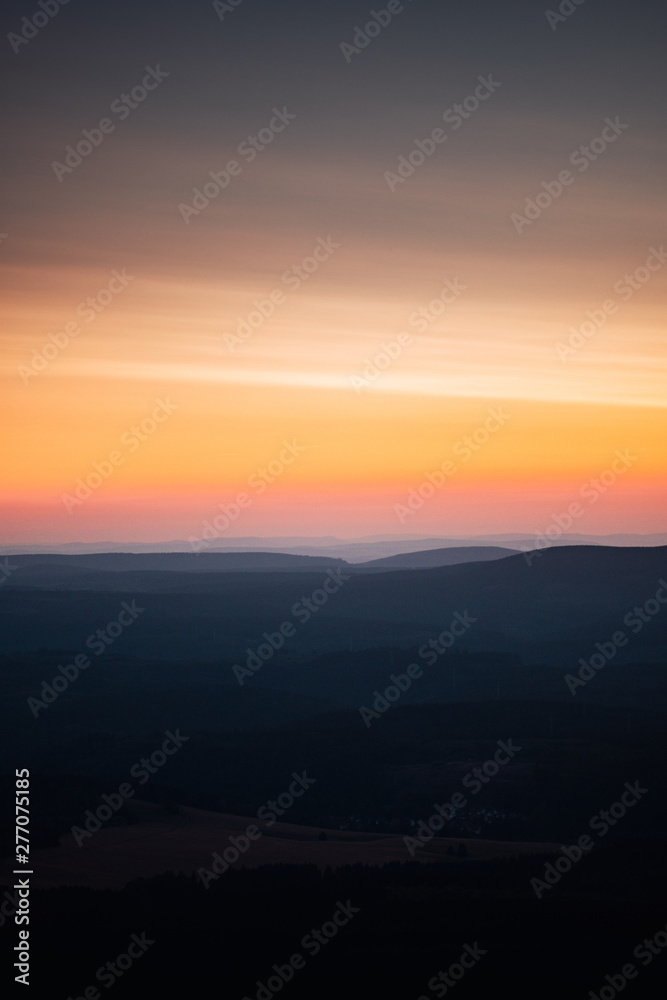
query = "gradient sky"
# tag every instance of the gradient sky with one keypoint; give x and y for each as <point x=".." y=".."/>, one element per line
<point x="162" y="337"/>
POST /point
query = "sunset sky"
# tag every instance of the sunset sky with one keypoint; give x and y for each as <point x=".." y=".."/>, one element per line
<point x="168" y="336"/>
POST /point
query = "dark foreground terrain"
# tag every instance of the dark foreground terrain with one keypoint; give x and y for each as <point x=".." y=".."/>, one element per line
<point x="442" y="780"/>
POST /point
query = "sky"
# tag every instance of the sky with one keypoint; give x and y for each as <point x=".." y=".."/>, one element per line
<point x="425" y="293"/>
